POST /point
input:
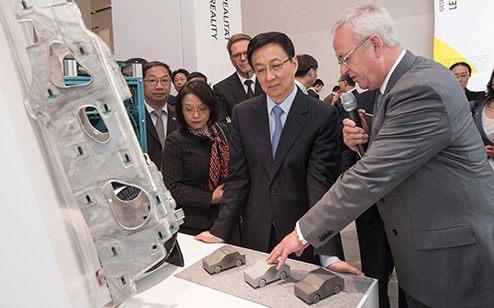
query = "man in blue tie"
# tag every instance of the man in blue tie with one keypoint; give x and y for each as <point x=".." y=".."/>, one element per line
<point x="284" y="154"/>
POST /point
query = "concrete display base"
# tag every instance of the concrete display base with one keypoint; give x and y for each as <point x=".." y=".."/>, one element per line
<point x="279" y="293"/>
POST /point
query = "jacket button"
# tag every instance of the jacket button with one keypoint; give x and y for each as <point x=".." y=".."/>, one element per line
<point x="273" y="192"/>
<point x="382" y="200"/>
<point x="395" y="232"/>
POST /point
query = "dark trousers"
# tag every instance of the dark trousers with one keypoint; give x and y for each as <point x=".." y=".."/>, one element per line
<point x="375" y="254"/>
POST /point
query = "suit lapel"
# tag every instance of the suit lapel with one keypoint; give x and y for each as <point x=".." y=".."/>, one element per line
<point x="260" y="124"/>
<point x="380" y="111"/>
<point x="295" y="122"/>
<point x="150" y="127"/>
<point x="237" y="88"/>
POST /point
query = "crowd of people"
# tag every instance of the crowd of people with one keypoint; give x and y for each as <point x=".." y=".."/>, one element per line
<point x="260" y="161"/>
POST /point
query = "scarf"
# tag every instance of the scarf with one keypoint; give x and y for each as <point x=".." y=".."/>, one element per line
<point x="220" y="155"/>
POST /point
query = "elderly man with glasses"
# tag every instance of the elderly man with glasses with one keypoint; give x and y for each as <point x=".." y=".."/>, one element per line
<point x="425" y="167"/>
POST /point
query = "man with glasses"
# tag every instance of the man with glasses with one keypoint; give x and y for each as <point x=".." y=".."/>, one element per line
<point x="160" y="116"/>
<point x="242" y="84"/>
<point x="284" y="154"/>
<point x="425" y="167"/>
<point x="463" y="71"/>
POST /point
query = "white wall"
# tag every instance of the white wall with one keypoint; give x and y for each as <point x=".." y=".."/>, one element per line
<point x="308" y="24"/>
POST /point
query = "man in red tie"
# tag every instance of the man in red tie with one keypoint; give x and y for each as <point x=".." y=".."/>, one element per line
<point x="241" y="85"/>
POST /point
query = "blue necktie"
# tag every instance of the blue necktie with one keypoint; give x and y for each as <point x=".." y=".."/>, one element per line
<point x="278" y="127"/>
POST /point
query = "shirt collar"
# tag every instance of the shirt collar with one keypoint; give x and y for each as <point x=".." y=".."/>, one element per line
<point x="150" y="109"/>
<point x="301" y="86"/>
<point x="285" y="105"/>
<point x="388" y="76"/>
<point x="243" y="79"/>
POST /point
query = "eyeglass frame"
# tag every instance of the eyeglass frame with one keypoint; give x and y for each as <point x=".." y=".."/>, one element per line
<point x="193" y="110"/>
<point x="239" y="55"/>
<point x="344" y="60"/>
<point x="155" y="82"/>
<point x="273" y="68"/>
<point x="463" y="75"/>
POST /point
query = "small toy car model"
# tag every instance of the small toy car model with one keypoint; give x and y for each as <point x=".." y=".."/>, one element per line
<point x="222" y="258"/>
<point x="318" y="284"/>
<point x="262" y="273"/>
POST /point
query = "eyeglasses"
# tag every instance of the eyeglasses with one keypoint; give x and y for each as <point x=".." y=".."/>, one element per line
<point x="239" y="55"/>
<point x="273" y="68"/>
<point x="462" y="75"/>
<point x="154" y="82"/>
<point x="192" y="110"/>
<point x="344" y="60"/>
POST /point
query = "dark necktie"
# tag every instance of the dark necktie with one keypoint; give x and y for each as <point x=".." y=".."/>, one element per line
<point x="278" y="127"/>
<point x="160" y="128"/>
<point x="248" y="83"/>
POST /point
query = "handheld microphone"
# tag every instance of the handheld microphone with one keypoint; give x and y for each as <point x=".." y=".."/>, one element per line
<point x="349" y="103"/>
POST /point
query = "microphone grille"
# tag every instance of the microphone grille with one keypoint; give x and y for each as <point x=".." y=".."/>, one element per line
<point x="349" y="101"/>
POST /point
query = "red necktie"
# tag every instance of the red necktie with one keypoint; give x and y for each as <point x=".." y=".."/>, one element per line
<point x="248" y="83"/>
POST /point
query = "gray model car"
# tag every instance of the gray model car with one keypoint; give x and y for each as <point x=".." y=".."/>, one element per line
<point x="262" y="273"/>
<point x="318" y="284"/>
<point x="222" y="258"/>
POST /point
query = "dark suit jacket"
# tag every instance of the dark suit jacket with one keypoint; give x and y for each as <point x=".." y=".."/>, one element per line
<point x="426" y="167"/>
<point x="229" y="92"/>
<point x="313" y="93"/>
<point x="186" y="172"/>
<point x="277" y="193"/>
<point x="155" y="150"/>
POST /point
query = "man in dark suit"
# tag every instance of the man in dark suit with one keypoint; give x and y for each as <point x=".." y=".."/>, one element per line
<point x="240" y="85"/>
<point x="425" y="167"/>
<point x="160" y="116"/>
<point x="306" y="73"/>
<point x="273" y="186"/>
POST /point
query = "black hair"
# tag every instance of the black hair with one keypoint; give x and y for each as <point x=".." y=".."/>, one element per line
<point x="305" y="63"/>
<point x="204" y="93"/>
<point x="266" y="38"/>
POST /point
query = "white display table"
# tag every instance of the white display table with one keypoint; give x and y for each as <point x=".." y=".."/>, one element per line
<point x="177" y="292"/>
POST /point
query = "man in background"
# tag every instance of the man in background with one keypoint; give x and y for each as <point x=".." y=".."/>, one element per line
<point x="160" y="116"/>
<point x="306" y="74"/>
<point x="242" y="84"/>
<point x="316" y="88"/>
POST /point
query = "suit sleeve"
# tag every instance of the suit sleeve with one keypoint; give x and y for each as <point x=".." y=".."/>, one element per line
<point x="237" y="185"/>
<point x="415" y="129"/>
<point x="173" y="175"/>
<point x="323" y="170"/>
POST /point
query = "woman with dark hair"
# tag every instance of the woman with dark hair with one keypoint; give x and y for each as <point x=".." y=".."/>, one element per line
<point x="195" y="159"/>
<point x="483" y="115"/>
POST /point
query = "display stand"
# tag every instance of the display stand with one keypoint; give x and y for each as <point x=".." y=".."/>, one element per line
<point x="178" y="292"/>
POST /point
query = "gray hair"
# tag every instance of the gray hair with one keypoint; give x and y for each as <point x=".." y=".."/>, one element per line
<point x="366" y="19"/>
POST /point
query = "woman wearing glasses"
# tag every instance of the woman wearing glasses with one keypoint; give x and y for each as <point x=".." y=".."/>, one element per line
<point x="483" y="115"/>
<point x="195" y="159"/>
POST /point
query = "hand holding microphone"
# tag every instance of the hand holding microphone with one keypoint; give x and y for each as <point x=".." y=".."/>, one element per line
<point x="354" y="135"/>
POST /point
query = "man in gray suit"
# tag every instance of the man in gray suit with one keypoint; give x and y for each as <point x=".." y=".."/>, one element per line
<point x="425" y="167"/>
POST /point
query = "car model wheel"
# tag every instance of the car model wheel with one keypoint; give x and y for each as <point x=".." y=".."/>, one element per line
<point x="262" y="283"/>
<point x="238" y="263"/>
<point x="217" y="269"/>
<point x="283" y="275"/>
<point x="337" y="289"/>
<point x="316" y="298"/>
